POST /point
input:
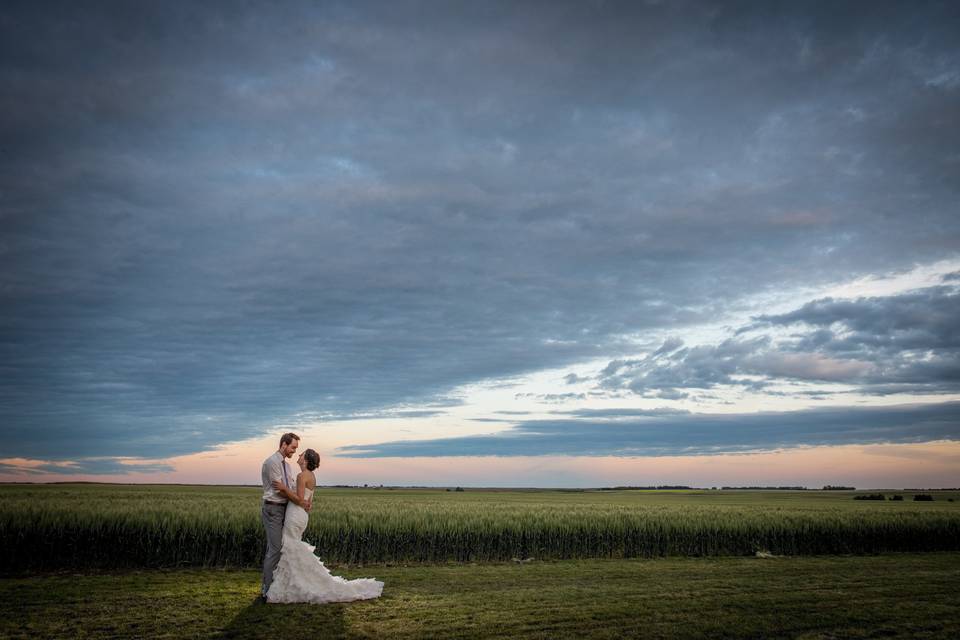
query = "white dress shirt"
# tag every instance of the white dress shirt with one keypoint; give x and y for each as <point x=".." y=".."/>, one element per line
<point x="273" y="468"/>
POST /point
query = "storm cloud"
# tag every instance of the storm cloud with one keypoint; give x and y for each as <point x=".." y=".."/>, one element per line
<point x="217" y="218"/>
<point x="99" y="465"/>
<point x="908" y="342"/>
<point x="681" y="434"/>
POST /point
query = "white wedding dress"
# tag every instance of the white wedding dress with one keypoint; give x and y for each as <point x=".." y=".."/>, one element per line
<point x="301" y="577"/>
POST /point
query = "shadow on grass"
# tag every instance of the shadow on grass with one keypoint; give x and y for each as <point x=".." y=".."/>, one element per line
<point x="288" y="621"/>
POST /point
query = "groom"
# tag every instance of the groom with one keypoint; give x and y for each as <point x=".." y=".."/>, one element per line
<point x="275" y="503"/>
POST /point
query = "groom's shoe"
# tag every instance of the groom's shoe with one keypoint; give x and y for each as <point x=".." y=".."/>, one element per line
<point x="261" y="599"/>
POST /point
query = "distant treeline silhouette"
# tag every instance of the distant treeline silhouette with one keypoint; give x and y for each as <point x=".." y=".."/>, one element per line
<point x="661" y="487"/>
<point x="768" y="488"/>
<point x="920" y="497"/>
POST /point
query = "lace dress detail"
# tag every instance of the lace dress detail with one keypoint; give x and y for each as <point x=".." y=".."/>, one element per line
<point x="301" y="576"/>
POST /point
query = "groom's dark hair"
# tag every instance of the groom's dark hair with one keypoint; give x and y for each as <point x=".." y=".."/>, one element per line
<point x="287" y="438"/>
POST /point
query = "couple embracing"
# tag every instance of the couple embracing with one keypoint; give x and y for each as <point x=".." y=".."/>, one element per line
<point x="291" y="573"/>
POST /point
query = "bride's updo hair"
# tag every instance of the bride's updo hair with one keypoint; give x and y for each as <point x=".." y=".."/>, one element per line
<point x="312" y="458"/>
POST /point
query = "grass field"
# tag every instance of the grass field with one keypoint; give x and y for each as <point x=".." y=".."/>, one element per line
<point x="134" y="561"/>
<point x="894" y="595"/>
<point x="80" y="526"/>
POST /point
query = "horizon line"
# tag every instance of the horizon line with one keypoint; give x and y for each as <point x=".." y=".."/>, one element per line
<point x="836" y="489"/>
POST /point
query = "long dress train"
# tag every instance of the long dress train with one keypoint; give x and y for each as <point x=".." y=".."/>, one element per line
<point x="300" y="576"/>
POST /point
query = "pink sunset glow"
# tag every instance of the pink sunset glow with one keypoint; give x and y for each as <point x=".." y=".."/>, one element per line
<point x="932" y="464"/>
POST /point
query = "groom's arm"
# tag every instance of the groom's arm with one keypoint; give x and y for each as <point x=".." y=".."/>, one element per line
<point x="274" y="472"/>
<point x="297" y="497"/>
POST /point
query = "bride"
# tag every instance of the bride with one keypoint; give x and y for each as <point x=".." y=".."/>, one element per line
<point x="300" y="576"/>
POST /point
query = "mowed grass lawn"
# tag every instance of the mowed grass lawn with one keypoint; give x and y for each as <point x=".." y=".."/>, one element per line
<point x="891" y="595"/>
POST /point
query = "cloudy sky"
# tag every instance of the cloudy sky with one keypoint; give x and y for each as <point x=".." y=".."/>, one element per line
<point x="519" y="243"/>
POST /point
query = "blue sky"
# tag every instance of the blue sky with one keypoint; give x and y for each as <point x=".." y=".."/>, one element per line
<point x="479" y="223"/>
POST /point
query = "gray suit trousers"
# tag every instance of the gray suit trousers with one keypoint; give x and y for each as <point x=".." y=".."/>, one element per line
<point x="272" y="516"/>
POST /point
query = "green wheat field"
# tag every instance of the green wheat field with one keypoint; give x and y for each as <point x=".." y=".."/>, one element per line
<point x="559" y="563"/>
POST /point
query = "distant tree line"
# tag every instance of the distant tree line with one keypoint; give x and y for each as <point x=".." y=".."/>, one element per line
<point x="767" y="488"/>
<point x="661" y="487"/>
<point x="920" y="497"/>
